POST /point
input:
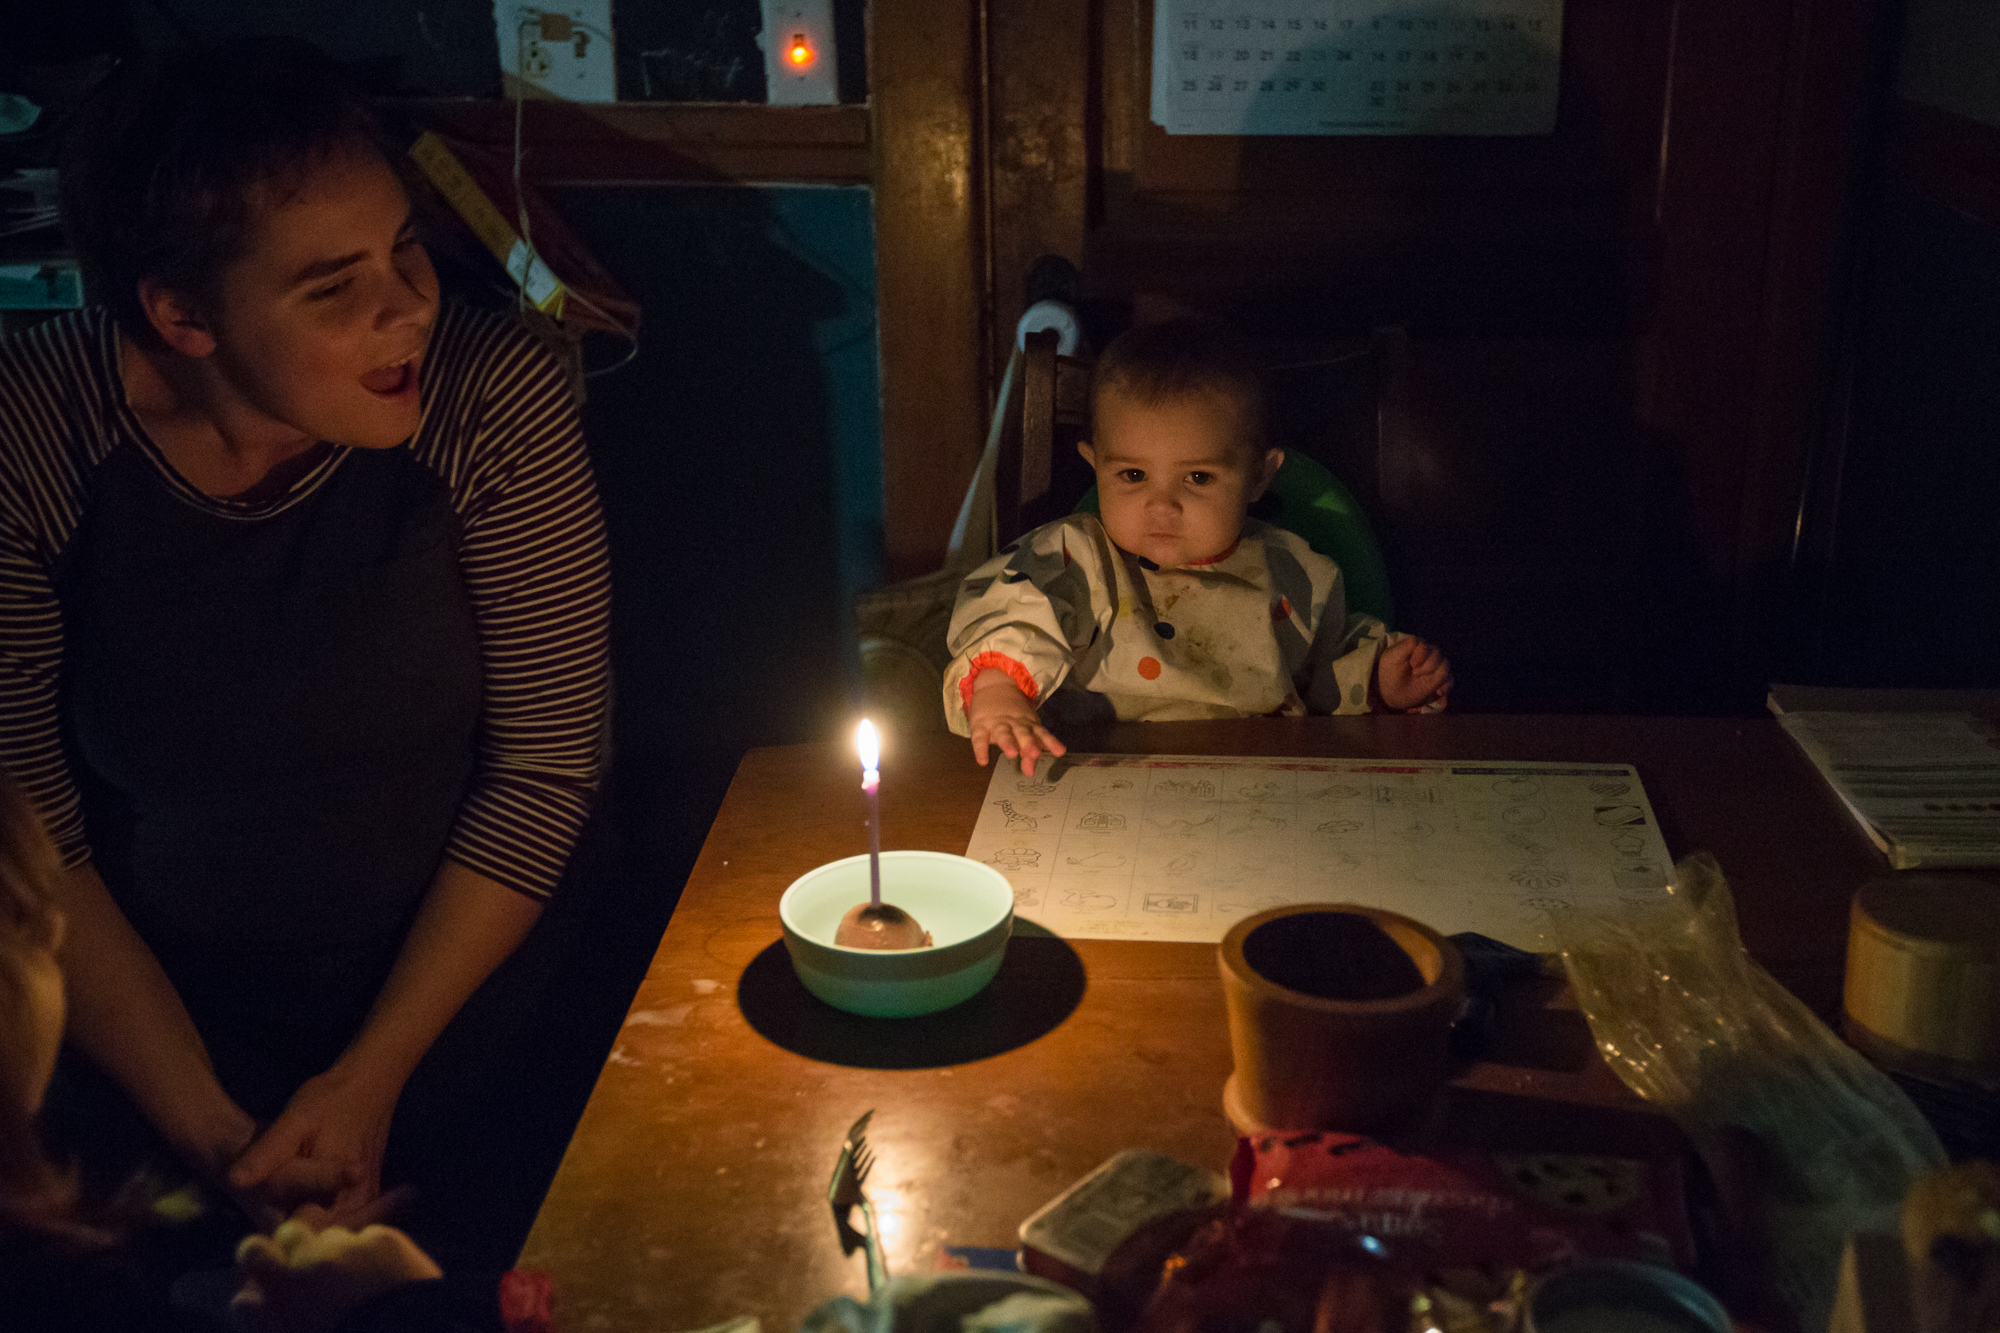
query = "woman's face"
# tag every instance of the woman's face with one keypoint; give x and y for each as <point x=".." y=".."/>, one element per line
<point x="321" y="324"/>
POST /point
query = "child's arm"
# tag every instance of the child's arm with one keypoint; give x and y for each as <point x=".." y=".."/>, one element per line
<point x="1001" y="715"/>
<point x="1021" y="620"/>
<point x="1353" y="662"/>
<point x="1412" y="676"/>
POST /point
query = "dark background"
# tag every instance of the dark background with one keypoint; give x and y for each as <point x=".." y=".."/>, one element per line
<point x="737" y="453"/>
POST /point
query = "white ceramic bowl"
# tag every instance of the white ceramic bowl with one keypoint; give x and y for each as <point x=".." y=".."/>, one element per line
<point x="967" y="906"/>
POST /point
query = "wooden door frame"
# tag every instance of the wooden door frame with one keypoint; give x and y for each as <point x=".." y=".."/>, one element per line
<point x="983" y="158"/>
<point x="926" y="64"/>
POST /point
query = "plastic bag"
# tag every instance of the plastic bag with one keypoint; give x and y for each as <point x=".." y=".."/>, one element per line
<point x="1688" y="1021"/>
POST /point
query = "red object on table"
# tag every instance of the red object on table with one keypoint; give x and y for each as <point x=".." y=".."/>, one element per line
<point x="527" y="1302"/>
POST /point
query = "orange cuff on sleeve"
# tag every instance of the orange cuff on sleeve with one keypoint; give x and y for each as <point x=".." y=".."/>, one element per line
<point x="994" y="662"/>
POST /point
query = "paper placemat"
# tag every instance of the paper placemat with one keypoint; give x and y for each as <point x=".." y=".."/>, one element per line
<point x="1168" y="847"/>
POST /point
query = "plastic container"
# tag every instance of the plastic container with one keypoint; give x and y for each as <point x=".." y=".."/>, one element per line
<point x="967" y="906"/>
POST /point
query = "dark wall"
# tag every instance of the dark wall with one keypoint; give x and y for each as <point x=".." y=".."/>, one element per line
<point x="668" y="50"/>
<point x="738" y="459"/>
<point x="1909" y="594"/>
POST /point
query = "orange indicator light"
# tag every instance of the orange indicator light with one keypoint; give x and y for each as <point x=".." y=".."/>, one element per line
<point x="800" y="52"/>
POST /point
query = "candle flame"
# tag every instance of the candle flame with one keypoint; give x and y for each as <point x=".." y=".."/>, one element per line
<point x="868" y="744"/>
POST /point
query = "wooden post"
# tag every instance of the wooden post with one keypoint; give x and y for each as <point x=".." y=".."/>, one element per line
<point x="924" y="63"/>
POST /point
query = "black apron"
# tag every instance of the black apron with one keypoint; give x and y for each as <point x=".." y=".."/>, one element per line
<point x="273" y="722"/>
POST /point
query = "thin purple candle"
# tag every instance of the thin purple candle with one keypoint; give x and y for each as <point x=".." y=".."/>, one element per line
<point x="871" y="781"/>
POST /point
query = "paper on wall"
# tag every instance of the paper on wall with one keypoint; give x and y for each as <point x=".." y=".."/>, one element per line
<point x="557" y="50"/>
<point x="1356" y="66"/>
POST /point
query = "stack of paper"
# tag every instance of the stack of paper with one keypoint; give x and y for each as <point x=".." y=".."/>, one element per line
<point x="1925" y="786"/>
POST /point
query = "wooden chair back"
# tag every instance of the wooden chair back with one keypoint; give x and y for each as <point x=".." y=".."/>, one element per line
<point x="1040" y="476"/>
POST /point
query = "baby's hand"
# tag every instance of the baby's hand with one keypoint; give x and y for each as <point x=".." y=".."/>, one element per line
<point x="298" y="1280"/>
<point x="1412" y="676"/>
<point x="1001" y="715"/>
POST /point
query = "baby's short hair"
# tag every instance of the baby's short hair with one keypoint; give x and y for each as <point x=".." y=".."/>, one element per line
<point x="1153" y="363"/>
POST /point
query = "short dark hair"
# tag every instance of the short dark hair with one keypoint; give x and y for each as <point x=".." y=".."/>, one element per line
<point x="1152" y="363"/>
<point x="158" y="176"/>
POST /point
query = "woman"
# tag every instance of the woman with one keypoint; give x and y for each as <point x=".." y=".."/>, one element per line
<point x="303" y="599"/>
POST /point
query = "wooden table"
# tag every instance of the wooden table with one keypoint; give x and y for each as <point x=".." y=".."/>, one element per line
<point x="694" y="1189"/>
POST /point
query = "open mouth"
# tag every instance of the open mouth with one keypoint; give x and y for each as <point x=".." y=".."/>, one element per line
<point x="393" y="381"/>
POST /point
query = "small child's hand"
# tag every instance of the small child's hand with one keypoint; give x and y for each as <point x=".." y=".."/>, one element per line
<point x="1412" y="676"/>
<point x="298" y="1280"/>
<point x="1001" y="715"/>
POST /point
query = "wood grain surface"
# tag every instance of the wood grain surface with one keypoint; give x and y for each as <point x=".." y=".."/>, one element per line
<point x="927" y="70"/>
<point x="694" y="1189"/>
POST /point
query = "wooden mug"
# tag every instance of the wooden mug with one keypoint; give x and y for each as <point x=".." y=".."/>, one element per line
<point x="1307" y="1061"/>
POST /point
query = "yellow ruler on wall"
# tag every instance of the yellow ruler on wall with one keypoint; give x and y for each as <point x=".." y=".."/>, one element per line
<point x="540" y="284"/>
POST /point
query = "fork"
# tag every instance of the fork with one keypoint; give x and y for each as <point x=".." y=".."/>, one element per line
<point x="844" y="1192"/>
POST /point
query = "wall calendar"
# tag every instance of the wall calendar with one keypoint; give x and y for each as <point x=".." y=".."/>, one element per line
<point x="1356" y="66"/>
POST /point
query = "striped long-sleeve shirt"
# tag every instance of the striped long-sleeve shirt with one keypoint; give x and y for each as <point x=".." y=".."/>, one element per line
<point x="498" y="428"/>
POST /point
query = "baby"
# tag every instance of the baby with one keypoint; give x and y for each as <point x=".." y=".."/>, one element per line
<point x="1171" y="603"/>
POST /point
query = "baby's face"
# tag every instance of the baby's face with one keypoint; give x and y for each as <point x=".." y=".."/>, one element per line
<point x="1175" y="477"/>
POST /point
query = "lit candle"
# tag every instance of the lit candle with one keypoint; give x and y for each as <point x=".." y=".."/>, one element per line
<point x="871" y="781"/>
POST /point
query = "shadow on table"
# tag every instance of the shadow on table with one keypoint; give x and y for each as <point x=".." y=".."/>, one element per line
<point x="1529" y="1031"/>
<point x="1039" y="984"/>
<point x="1513" y="1122"/>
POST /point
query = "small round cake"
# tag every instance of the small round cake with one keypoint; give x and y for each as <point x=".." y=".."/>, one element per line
<point x="885" y="927"/>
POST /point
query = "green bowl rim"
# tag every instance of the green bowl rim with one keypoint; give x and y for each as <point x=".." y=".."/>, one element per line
<point x="901" y="965"/>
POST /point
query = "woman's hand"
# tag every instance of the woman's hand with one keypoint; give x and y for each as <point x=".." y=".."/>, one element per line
<point x="212" y="1142"/>
<point x="1412" y="675"/>
<point x="1000" y="715"/>
<point x="325" y="1148"/>
<point x="298" y="1280"/>
<point x="126" y="1016"/>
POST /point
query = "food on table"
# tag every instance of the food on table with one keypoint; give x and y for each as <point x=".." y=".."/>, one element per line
<point x="880" y="926"/>
<point x="1256" y="1269"/>
<point x="1336" y="1233"/>
<point x="1457" y="1204"/>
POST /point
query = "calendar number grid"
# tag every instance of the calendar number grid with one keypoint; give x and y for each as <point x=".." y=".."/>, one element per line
<point x="1340" y="66"/>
